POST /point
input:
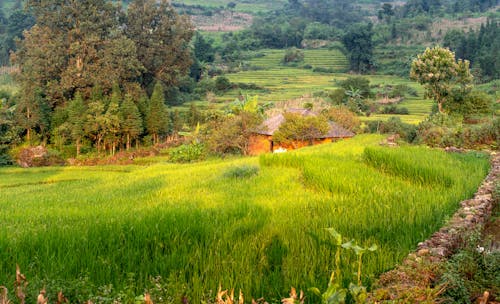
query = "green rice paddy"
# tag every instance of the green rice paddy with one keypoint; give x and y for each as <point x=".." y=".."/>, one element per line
<point x="103" y="232"/>
<point x="282" y="83"/>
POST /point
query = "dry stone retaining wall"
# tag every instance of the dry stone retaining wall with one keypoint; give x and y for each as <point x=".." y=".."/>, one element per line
<point x="417" y="272"/>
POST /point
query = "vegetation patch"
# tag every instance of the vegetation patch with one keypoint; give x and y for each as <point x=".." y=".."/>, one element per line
<point x="244" y="171"/>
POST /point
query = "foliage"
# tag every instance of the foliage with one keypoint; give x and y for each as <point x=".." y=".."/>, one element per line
<point x="162" y="38"/>
<point x="231" y="134"/>
<point x="479" y="47"/>
<point x="359" y="83"/>
<point x="222" y="84"/>
<point x="444" y="130"/>
<point x="474" y="103"/>
<point x="344" y="117"/>
<point x="196" y="230"/>
<point x="243" y="171"/>
<point x="11" y="28"/>
<point x="293" y="56"/>
<point x="157" y="115"/>
<point x="393" y="125"/>
<point x="472" y="271"/>
<point x="358" y="42"/>
<point x="393" y="109"/>
<point x="300" y="128"/>
<point x="187" y="153"/>
<point x="437" y="70"/>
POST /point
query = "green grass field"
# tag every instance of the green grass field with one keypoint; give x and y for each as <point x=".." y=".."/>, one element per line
<point x="104" y="232"/>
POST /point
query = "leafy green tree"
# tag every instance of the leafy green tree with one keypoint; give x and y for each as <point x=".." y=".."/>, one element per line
<point x="358" y="41"/>
<point x="301" y="128"/>
<point x="131" y="121"/>
<point x="112" y="123"/>
<point x="438" y="71"/>
<point x="162" y="37"/>
<point x="32" y="113"/>
<point x="95" y="120"/>
<point x="202" y="48"/>
<point x="231" y="133"/>
<point x="76" y="120"/>
<point x="156" y="119"/>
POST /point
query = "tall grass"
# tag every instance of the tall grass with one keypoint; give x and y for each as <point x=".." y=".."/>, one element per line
<point x="82" y="229"/>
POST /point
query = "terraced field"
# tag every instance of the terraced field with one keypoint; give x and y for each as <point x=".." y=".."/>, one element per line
<point x="105" y="233"/>
<point x="323" y="58"/>
<point x="281" y="83"/>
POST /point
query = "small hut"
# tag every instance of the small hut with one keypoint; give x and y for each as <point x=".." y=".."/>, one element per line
<point x="262" y="140"/>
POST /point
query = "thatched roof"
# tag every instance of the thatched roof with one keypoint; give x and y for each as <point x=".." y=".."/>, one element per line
<point x="272" y="124"/>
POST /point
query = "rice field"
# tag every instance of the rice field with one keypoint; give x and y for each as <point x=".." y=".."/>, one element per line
<point x="181" y="230"/>
<point x="282" y="83"/>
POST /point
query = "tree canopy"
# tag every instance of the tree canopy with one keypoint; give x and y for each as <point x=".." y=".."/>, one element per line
<point x="440" y="73"/>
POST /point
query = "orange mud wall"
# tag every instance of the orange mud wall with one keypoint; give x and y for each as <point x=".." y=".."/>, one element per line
<point x="260" y="144"/>
<point x="264" y="144"/>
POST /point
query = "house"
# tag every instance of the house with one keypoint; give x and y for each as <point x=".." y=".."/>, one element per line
<point x="262" y="140"/>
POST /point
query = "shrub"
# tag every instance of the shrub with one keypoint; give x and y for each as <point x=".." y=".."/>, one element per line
<point x="393" y="109"/>
<point x="470" y="272"/>
<point x="293" y="55"/>
<point x="243" y="171"/>
<point x="338" y="96"/>
<point x="222" y="84"/>
<point x="187" y="153"/>
<point x="323" y="70"/>
<point x="344" y="117"/>
<point x="359" y="83"/>
<point x="393" y="125"/>
<point x="401" y="90"/>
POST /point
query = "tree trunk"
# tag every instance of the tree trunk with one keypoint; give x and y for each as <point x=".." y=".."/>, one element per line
<point x="77" y="147"/>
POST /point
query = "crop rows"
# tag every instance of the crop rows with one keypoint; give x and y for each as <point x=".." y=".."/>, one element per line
<point x="83" y="228"/>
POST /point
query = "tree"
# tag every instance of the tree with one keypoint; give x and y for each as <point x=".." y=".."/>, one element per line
<point x="76" y="120"/>
<point x="358" y="41"/>
<point x="112" y="123"/>
<point x="162" y="38"/>
<point x="301" y="128"/>
<point x="231" y="134"/>
<point x="344" y="117"/>
<point x="202" y="48"/>
<point x="438" y="71"/>
<point x="156" y="119"/>
<point x="32" y="113"/>
<point x="131" y="120"/>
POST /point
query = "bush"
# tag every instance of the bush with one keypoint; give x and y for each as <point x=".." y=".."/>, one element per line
<point x="222" y="84"/>
<point x="344" y="117"/>
<point x="401" y="90"/>
<point x="293" y="55"/>
<point x="337" y="96"/>
<point x="359" y="83"/>
<point x="243" y="171"/>
<point x="470" y="272"/>
<point x="187" y="153"/>
<point x="323" y="70"/>
<point x="393" y="109"/>
<point x="442" y="130"/>
<point x="393" y="125"/>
